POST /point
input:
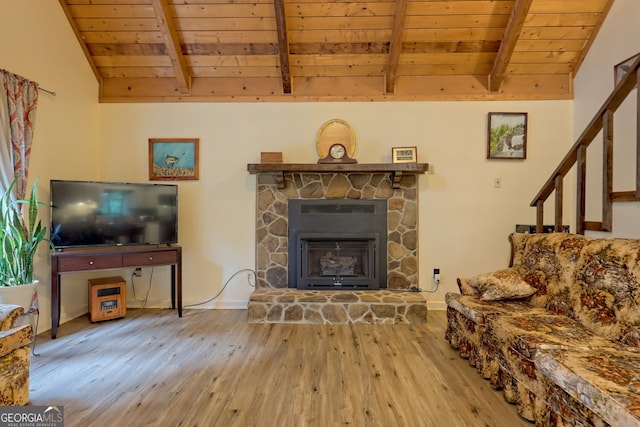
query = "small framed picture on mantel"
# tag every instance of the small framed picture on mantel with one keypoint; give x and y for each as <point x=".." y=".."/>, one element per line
<point x="404" y="154"/>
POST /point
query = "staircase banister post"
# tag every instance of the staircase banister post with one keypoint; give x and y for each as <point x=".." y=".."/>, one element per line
<point x="540" y="216"/>
<point x="559" y="202"/>
<point x="581" y="189"/>
<point x="638" y="137"/>
<point x="607" y="171"/>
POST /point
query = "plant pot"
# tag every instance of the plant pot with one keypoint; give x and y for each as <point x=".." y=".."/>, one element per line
<point x="18" y="295"/>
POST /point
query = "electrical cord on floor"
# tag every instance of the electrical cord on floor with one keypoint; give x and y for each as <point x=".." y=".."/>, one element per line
<point x="416" y="289"/>
<point x="146" y="297"/>
<point x="253" y="285"/>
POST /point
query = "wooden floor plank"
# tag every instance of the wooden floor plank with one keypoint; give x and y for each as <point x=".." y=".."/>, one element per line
<point x="212" y="368"/>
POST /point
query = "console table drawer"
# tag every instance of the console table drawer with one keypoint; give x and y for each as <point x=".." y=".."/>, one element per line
<point x="81" y="263"/>
<point x="150" y="258"/>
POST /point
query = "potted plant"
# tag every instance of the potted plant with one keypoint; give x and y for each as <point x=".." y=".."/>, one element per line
<point x="19" y="238"/>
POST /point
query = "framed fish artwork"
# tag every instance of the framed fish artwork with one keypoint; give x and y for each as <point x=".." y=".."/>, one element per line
<point x="172" y="159"/>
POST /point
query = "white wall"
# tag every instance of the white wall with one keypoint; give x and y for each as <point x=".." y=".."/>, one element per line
<point x="38" y="43"/>
<point x="617" y="40"/>
<point x="464" y="219"/>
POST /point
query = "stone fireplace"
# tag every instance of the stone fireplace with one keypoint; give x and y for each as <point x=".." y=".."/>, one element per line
<point x="272" y="221"/>
<point x="357" y="275"/>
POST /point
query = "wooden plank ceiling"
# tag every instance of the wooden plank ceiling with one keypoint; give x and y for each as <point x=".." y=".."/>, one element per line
<point x="333" y="50"/>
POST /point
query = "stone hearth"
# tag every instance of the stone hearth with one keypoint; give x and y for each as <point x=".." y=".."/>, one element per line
<point x="379" y="307"/>
<point x="276" y="301"/>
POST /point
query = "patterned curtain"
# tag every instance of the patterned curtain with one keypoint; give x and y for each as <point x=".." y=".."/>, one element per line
<point x="21" y="96"/>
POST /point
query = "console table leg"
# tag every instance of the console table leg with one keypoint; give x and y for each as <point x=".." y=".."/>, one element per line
<point x="178" y="267"/>
<point x="173" y="287"/>
<point x="55" y="304"/>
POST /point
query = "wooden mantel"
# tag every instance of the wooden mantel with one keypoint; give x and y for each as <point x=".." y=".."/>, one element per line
<point x="395" y="169"/>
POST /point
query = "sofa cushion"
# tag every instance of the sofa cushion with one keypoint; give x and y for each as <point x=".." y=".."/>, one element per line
<point x="605" y="292"/>
<point x="592" y="280"/>
<point x="9" y="313"/>
<point x="15" y="357"/>
<point x="547" y="262"/>
<point x="527" y="332"/>
<point x="602" y="379"/>
<point x="496" y="286"/>
<point x="477" y="310"/>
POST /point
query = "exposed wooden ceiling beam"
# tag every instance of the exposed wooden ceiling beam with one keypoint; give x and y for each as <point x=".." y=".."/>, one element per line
<point x="283" y="45"/>
<point x="511" y="35"/>
<point x="172" y="43"/>
<point x="83" y="45"/>
<point x="395" y="46"/>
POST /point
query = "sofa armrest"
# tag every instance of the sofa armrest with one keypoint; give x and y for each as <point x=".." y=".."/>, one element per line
<point x="9" y="313"/>
<point x="15" y="338"/>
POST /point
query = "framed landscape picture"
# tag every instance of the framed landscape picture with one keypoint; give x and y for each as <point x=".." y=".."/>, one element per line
<point x="172" y="159"/>
<point x="507" y="136"/>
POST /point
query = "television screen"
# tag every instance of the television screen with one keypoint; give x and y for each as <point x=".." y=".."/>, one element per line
<point x="90" y="213"/>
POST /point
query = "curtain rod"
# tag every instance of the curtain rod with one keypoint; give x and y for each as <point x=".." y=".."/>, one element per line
<point x="50" y="92"/>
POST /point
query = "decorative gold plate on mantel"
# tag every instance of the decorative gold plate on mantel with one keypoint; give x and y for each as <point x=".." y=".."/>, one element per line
<point x="335" y="131"/>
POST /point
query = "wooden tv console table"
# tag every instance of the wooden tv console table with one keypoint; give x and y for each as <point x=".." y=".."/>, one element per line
<point x="82" y="260"/>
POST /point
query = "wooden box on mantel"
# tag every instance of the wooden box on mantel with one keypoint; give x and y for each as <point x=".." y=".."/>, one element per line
<point x="107" y="298"/>
<point x="271" y="157"/>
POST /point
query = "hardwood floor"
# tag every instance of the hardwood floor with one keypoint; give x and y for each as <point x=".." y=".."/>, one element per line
<point x="212" y="368"/>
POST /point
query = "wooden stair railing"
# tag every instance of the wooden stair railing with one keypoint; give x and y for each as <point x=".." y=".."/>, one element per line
<point x="577" y="155"/>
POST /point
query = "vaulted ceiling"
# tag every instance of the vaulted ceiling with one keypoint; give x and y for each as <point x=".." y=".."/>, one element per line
<point x="315" y="50"/>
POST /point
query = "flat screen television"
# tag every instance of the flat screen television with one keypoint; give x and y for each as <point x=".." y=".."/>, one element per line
<point x="91" y="213"/>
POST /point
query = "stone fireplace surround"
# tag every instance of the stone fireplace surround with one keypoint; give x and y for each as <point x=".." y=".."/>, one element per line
<point x="274" y="301"/>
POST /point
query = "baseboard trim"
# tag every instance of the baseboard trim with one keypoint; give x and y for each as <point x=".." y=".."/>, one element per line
<point x="224" y="305"/>
<point x="436" y="305"/>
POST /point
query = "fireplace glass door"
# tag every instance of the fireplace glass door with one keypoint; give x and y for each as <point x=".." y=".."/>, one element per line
<point x="347" y="263"/>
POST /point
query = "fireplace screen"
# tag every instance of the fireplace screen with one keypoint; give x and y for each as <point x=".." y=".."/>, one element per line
<point x="327" y="263"/>
<point x="337" y="244"/>
<point x="336" y="259"/>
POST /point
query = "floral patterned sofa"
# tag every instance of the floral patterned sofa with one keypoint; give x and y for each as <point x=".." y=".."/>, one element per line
<point x="15" y="356"/>
<point x="559" y="330"/>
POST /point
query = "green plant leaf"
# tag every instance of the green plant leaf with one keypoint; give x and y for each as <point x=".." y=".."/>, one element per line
<point x="19" y="238"/>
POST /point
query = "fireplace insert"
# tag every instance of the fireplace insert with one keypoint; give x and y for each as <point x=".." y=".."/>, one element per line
<point x="337" y="244"/>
